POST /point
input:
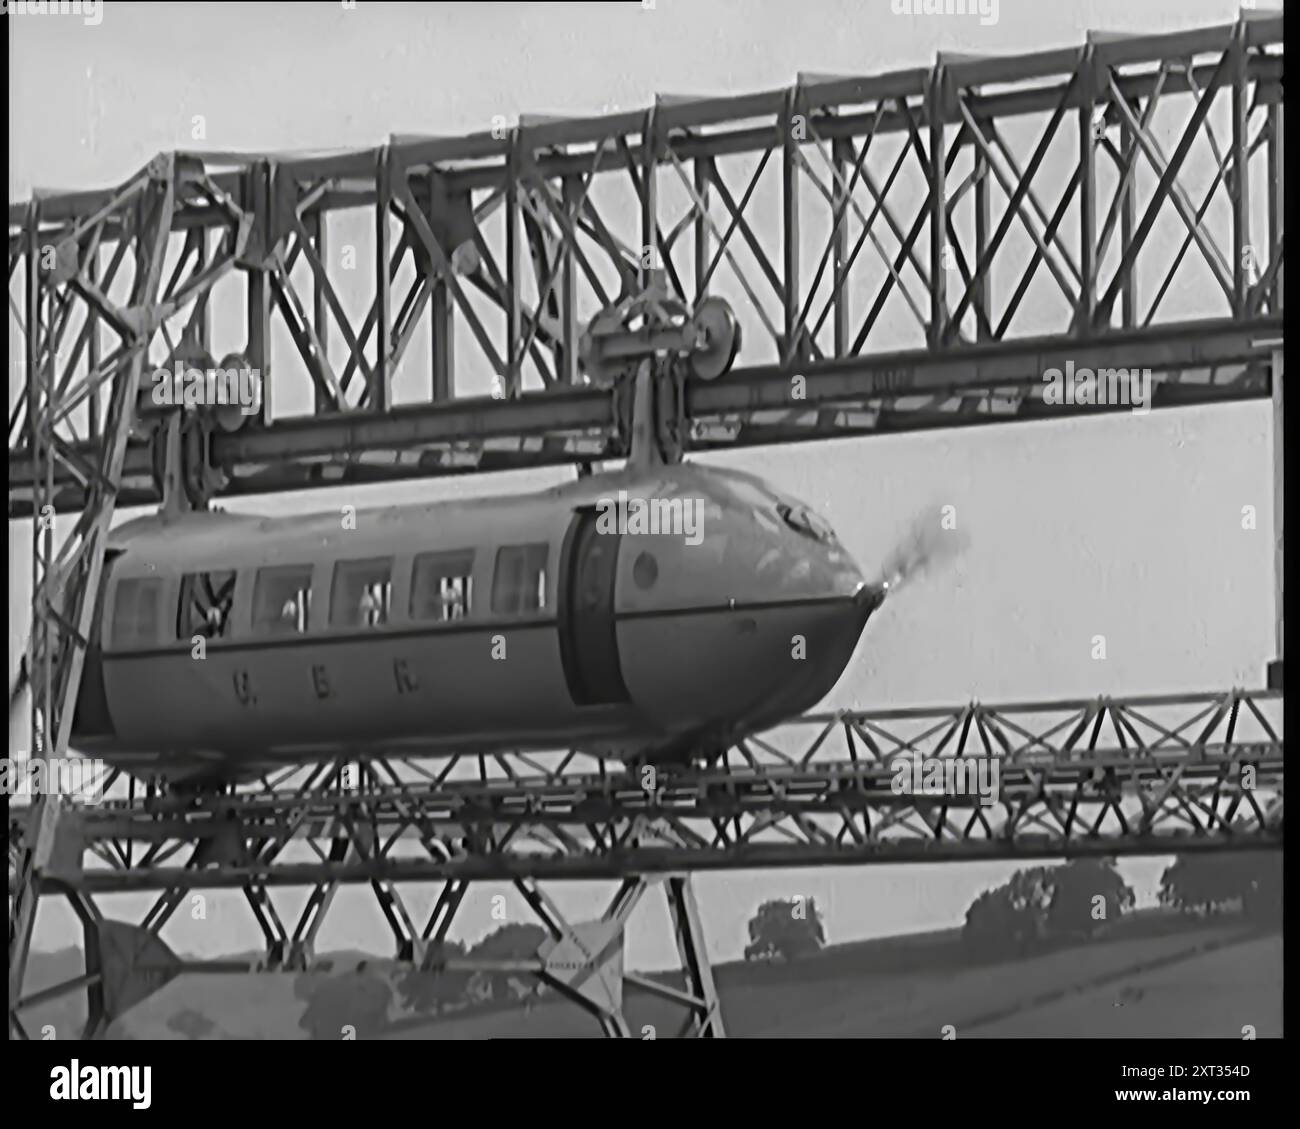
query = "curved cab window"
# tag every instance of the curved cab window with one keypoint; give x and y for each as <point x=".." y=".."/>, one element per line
<point x="205" y="603"/>
<point x="282" y="600"/>
<point x="442" y="585"/>
<point x="519" y="582"/>
<point x="135" y="611"/>
<point x="362" y="593"/>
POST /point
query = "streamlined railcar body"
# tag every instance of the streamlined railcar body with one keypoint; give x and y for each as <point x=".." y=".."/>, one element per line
<point x="654" y="613"/>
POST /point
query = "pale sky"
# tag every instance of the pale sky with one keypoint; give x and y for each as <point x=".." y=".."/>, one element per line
<point x="1129" y="526"/>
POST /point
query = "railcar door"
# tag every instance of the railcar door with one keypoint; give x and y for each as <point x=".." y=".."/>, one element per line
<point x="588" y="641"/>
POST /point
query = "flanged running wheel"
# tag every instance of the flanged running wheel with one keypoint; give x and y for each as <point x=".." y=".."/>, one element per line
<point x="721" y="332"/>
<point x="230" y="417"/>
<point x="591" y="359"/>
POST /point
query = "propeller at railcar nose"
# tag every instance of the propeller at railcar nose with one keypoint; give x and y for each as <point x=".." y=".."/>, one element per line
<point x="925" y="547"/>
<point x="869" y="597"/>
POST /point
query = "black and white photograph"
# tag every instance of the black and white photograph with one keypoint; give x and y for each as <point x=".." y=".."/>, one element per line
<point x="722" y="519"/>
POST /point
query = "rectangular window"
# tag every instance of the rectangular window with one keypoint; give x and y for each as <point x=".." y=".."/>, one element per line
<point x="282" y="600"/>
<point x="442" y="585"/>
<point x="362" y="593"/>
<point x="519" y="583"/>
<point x="135" y="611"/>
<point x="205" y="604"/>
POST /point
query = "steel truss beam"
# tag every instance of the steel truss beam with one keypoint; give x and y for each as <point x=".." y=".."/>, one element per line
<point x="1105" y="776"/>
<point x="581" y="961"/>
<point x="1194" y="363"/>
<point x="1101" y="776"/>
<point x="947" y="202"/>
<point x="65" y="580"/>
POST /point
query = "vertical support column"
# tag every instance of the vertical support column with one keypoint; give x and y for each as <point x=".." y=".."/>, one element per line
<point x="1275" y="667"/>
<point x="706" y="1017"/>
<point x="938" y="204"/>
<point x="842" y="162"/>
<point x="1083" y="313"/>
<point x="983" y="204"/>
<point x="570" y="195"/>
<point x="701" y="173"/>
<point x="1245" y="256"/>
<point x="442" y="334"/>
<point x="514" y="273"/>
<point x="64" y="588"/>
<point x="203" y="308"/>
<point x="1276" y="200"/>
<point x="44" y="816"/>
<point x="258" y="349"/>
<point x="441" y="304"/>
<point x="92" y="344"/>
<point x="701" y="170"/>
<point x="259" y="336"/>
<point x="379" y="395"/>
<point x="790" y="345"/>
<point x="649" y="201"/>
<point x="1127" y="222"/>
<point x="317" y="223"/>
<point x="92" y="953"/>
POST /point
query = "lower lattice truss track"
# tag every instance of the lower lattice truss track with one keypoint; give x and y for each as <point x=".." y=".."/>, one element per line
<point x="1104" y="776"/>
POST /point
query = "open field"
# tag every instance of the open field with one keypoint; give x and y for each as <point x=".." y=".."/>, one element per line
<point x="1188" y="984"/>
<point x="1178" y="979"/>
<point x="1217" y="994"/>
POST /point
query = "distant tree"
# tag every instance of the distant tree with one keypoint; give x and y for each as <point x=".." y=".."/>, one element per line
<point x="1204" y="884"/>
<point x="358" y="999"/>
<point x="785" y="929"/>
<point x="1031" y="889"/>
<point x="1000" y="923"/>
<point x="1215" y="883"/>
<point x="990" y="929"/>
<point x="436" y="989"/>
<point x="1073" y="910"/>
<point x="441" y="989"/>
<point x="1042" y="904"/>
<point x="516" y="941"/>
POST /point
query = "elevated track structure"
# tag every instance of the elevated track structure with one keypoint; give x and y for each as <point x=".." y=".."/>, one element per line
<point x="972" y="225"/>
<point x="1156" y="775"/>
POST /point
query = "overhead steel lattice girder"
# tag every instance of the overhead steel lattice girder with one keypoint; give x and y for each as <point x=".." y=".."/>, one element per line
<point x="917" y="245"/>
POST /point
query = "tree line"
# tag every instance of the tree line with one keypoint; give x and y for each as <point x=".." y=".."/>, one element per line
<point x="1037" y="909"/>
<point x="1054" y="905"/>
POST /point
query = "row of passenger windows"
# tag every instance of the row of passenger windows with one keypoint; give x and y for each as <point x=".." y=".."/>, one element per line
<point x="442" y="589"/>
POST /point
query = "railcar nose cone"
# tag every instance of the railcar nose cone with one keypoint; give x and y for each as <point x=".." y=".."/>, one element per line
<point x="869" y="597"/>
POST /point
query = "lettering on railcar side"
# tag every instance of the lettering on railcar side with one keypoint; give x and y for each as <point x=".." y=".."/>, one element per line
<point x="320" y="680"/>
<point x="405" y="677"/>
<point x="244" y="688"/>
